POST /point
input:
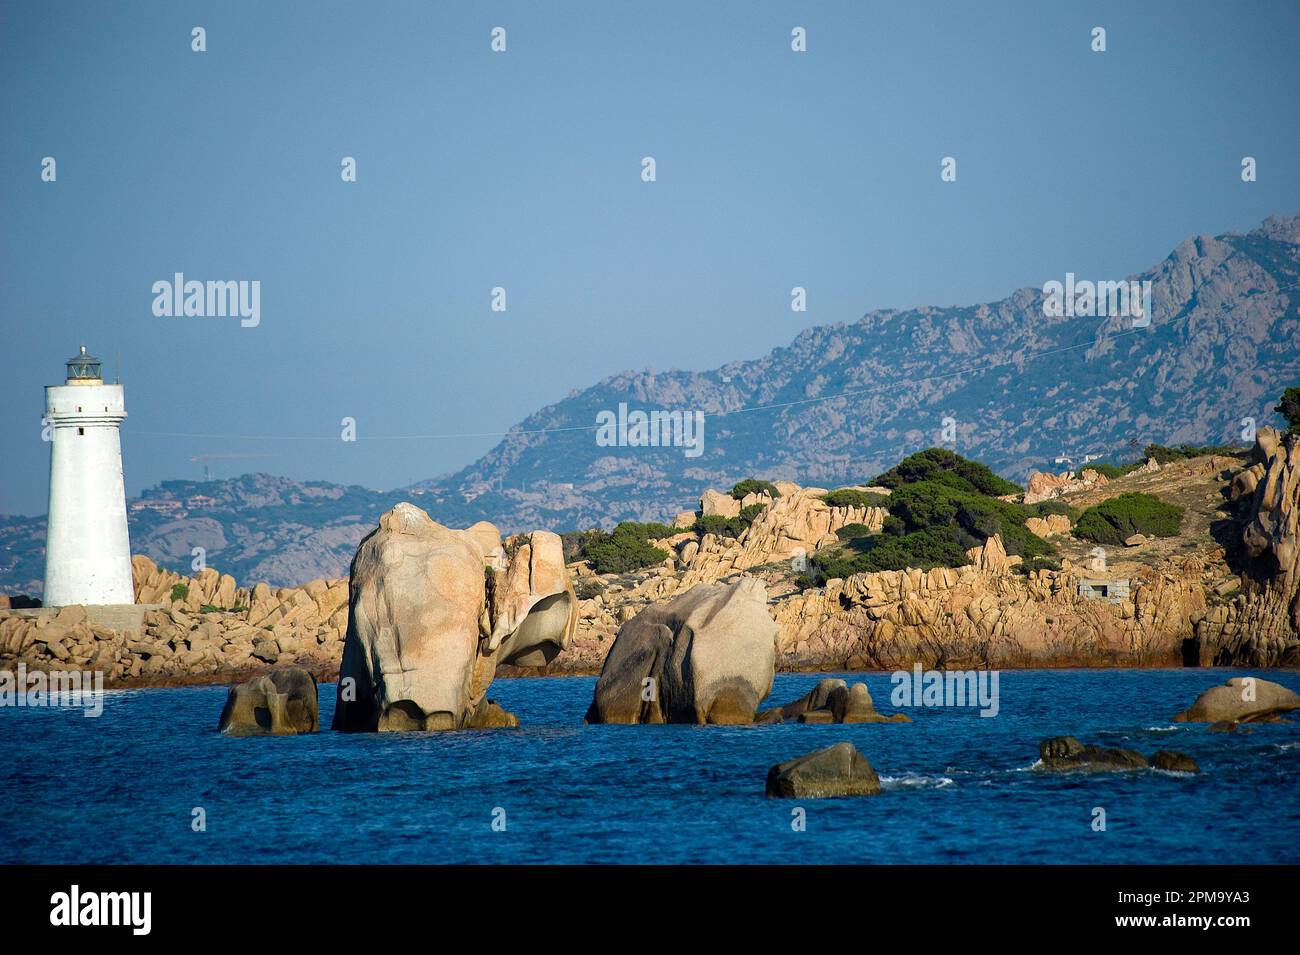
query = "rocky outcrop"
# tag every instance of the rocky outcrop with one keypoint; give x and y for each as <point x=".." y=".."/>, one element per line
<point x="838" y="770"/>
<point x="1043" y="486"/>
<point x="1171" y="762"/>
<point x="424" y="639"/>
<point x="704" y="657"/>
<point x="831" y="701"/>
<point x="1067" y="753"/>
<point x="1241" y="700"/>
<point x="1053" y="525"/>
<point x="282" y="702"/>
<point x="991" y="618"/>
<point x="791" y="526"/>
<point x="1267" y="632"/>
<point x="1184" y="606"/>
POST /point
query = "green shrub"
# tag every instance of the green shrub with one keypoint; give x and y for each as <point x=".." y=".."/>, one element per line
<point x="920" y="549"/>
<point x="1111" y="521"/>
<point x="1044" y="508"/>
<point x="853" y="497"/>
<point x="213" y="608"/>
<point x="852" y="531"/>
<point x="943" y="466"/>
<point x="576" y="543"/>
<point x="728" y="526"/>
<point x="1289" y="407"/>
<point x="625" y="549"/>
<point x="719" y="525"/>
<point x="1112" y="471"/>
<point x="755" y="486"/>
<point x="967" y="518"/>
<point x="180" y="592"/>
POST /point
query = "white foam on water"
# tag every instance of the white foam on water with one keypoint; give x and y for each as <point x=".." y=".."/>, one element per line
<point x="915" y="781"/>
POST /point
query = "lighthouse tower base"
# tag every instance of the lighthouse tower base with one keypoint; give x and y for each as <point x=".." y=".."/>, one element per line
<point x="87" y="549"/>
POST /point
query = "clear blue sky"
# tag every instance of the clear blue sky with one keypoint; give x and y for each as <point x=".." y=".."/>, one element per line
<point x="522" y="170"/>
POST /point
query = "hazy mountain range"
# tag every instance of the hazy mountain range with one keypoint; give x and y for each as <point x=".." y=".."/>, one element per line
<point x="838" y="405"/>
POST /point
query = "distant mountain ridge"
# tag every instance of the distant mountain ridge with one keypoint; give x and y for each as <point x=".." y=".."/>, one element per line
<point x="1019" y="387"/>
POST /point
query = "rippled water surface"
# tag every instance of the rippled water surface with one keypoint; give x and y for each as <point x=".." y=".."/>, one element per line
<point x="958" y="788"/>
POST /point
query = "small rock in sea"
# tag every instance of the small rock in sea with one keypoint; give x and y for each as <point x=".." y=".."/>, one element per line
<point x="490" y="716"/>
<point x="1067" y="753"/>
<point x="831" y="701"/>
<point x="279" y="703"/>
<point x="1174" y="762"/>
<point x="838" y="770"/>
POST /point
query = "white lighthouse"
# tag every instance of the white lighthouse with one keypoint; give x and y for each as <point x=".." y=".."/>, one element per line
<point x="87" y="550"/>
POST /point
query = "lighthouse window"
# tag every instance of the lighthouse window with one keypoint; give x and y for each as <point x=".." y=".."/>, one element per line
<point x="81" y="431"/>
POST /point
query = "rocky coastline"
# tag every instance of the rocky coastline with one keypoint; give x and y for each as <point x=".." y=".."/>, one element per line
<point x="1225" y="592"/>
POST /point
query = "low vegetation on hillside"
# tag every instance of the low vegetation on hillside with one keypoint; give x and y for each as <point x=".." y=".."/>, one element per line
<point x="1162" y="455"/>
<point x="624" y="549"/>
<point x="941" y="505"/>
<point x="754" y="486"/>
<point x="855" y="497"/>
<point x="728" y="526"/>
<point x="1114" y="520"/>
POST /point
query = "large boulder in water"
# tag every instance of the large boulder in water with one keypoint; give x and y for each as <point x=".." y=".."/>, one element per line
<point x="1240" y="700"/>
<point x="432" y="611"/>
<point x="282" y="702"/>
<point x="838" y="770"/>
<point x="707" y="656"/>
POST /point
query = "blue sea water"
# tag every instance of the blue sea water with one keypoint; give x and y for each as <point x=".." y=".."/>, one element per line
<point x="958" y="788"/>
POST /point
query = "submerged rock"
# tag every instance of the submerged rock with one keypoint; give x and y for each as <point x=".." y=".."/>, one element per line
<point x="1172" y="762"/>
<point x="707" y="656"/>
<point x="838" y="770"/>
<point x="1241" y="700"/>
<point x="282" y="702"/>
<point x="831" y="701"/>
<point x="1067" y="753"/>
